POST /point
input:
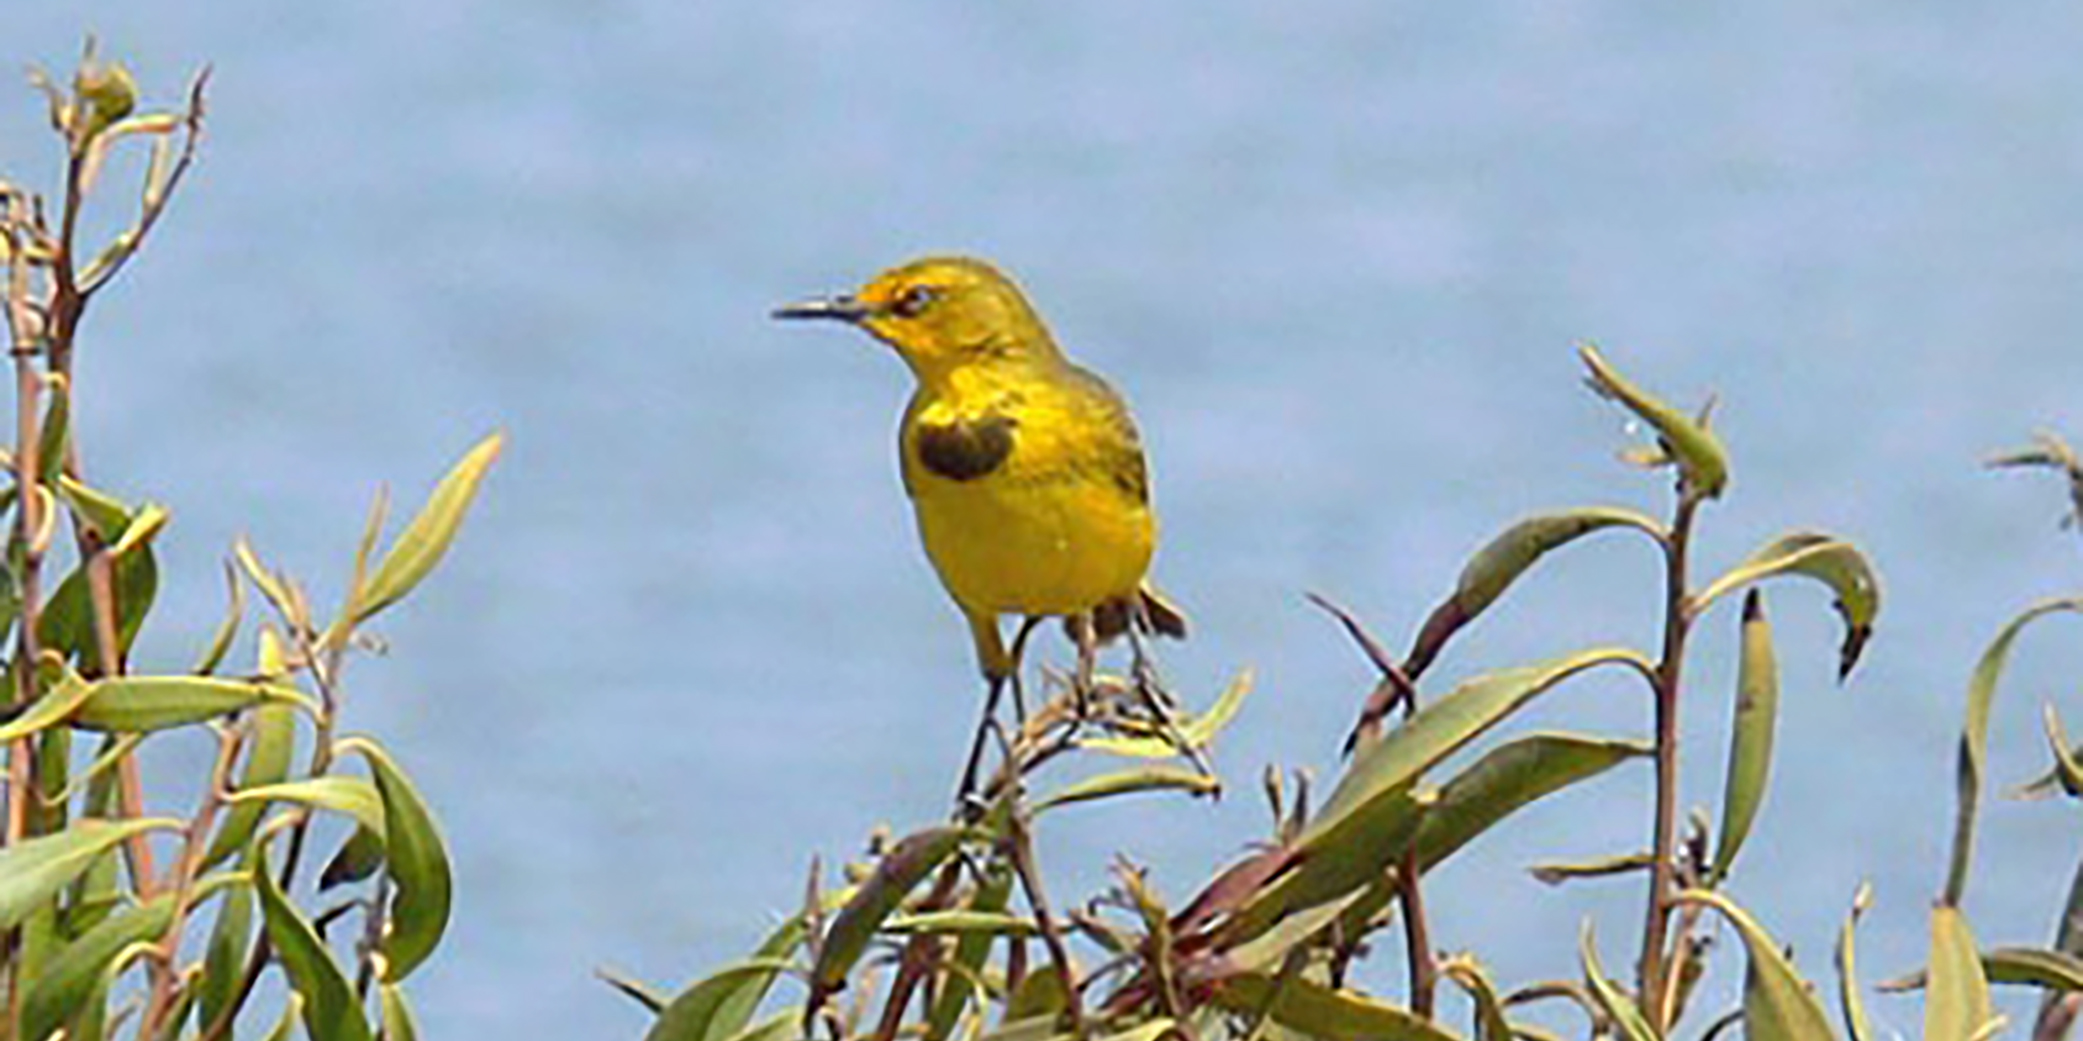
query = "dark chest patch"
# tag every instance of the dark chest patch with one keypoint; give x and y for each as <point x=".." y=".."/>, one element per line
<point x="965" y="449"/>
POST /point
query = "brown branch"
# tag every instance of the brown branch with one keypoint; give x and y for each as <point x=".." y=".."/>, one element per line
<point x="1678" y="609"/>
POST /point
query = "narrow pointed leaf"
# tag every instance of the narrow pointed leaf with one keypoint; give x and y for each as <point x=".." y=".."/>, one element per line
<point x="224" y="956"/>
<point x="32" y="870"/>
<point x="634" y="989"/>
<point x="1827" y="559"/>
<point x="989" y="923"/>
<point x="358" y="858"/>
<point x="1750" y="735"/>
<point x="1778" y="1005"/>
<point x="1445" y="725"/>
<point x="1509" y="777"/>
<point x="691" y="1015"/>
<point x="906" y="864"/>
<point x="418" y="863"/>
<point x="2068" y="762"/>
<point x="55" y="707"/>
<point x="68" y="619"/>
<point x="1195" y="732"/>
<point x="1317" y="1011"/>
<point x="785" y="1025"/>
<point x="142" y="704"/>
<point x="1956" y="1000"/>
<point x="1699" y="454"/>
<point x="398" y="1024"/>
<point x="2034" y="966"/>
<point x="1850" y="998"/>
<point x="971" y="951"/>
<point x="228" y="629"/>
<point x="271" y="741"/>
<point x="1124" y="782"/>
<point x="286" y="1025"/>
<point x="1507" y="556"/>
<point x="735" y="1008"/>
<point x="76" y="973"/>
<point x="331" y="1012"/>
<point x="1974" y="739"/>
<point x="338" y="793"/>
<point x="423" y="542"/>
<point x="1621" y="1009"/>
<point x="1466" y="972"/>
<point x="1336" y="863"/>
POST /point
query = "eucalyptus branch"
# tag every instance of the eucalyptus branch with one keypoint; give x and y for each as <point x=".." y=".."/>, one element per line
<point x="1678" y="609"/>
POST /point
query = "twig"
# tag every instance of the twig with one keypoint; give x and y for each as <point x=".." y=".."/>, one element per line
<point x="1678" y="608"/>
<point x="1020" y="842"/>
<point x="195" y="843"/>
<point x="1424" y="968"/>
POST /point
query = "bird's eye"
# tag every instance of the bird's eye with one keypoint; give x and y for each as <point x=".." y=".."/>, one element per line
<point x="913" y="301"/>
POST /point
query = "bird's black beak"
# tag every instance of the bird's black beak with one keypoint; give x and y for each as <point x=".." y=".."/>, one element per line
<point x="841" y="308"/>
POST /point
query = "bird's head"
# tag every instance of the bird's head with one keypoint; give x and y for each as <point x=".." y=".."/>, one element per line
<point x="941" y="314"/>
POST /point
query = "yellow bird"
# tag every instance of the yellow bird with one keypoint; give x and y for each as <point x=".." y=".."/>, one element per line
<point x="1025" y="470"/>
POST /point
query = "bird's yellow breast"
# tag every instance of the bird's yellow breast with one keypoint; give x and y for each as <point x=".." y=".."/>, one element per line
<point x="1030" y="492"/>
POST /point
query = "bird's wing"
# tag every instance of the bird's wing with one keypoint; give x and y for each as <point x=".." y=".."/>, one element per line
<point x="1112" y="449"/>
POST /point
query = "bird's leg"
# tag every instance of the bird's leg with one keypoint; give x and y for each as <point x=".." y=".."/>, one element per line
<point x="1018" y="653"/>
<point x="1081" y="634"/>
<point x="1158" y="698"/>
<point x="984" y="726"/>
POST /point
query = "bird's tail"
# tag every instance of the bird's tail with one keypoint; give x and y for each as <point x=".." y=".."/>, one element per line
<point x="1148" y="610"/>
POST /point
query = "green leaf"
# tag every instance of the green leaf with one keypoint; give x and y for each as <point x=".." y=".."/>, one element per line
<point x="397" y="1014"/>
<point x="271" y="740"/>
<point x="1750" y="735"/>
<point x="1618" y="1006"/>
<point x="2035" y="967"/>
<point x="1778" y="1005"/>
<point x="692" y="1014"/>
<point x="1509" y="777"/>
<point x="350" y="796"/>
<point x="224" y="957"/>
<point x="1702" y="461"/>
<point x="1320" y="1012"/>
<point x="357" y="859"/>
<point x="1827" y="559"/>
<point x="1956" y="1003"/>
<point x="1333" y="864"/>
<point x="735" y="1008"/>
<point x="1974" y="739"/>
<point x="331" y="1012"/>
<point x="1445" y="725"/>
<point x="1194" y="732"/>
<point x="56" y="434"/>
<point x="1468" y="973"/>
<point x="785" y="1025"/>
<point x="418" y="865"/>
<point x="33" y="870"/>
<point x="1123" y="782"/>
<point x="423" y="542"/>
<point x="1507" y="556"/>
<point x="1851" y="1000"/>
<point x="989" y="923"/>
<point x="292" y="1010"/>
<point x="958" y="985"/>
<point x="902" y="869"/>
<point x="141" y="704"/>
<point x="76" y="974"/>
<point x="68" y="617"/>
<point x="228" y="629"/>
<point x="2068" y="761"/>
<point x="56" y="706"/>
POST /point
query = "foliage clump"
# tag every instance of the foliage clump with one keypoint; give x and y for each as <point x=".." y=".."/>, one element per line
<point x="157" y="912"/>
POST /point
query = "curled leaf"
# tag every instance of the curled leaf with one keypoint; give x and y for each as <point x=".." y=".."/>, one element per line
<point x="1777" y="1002"/>
<point x="1124" y="782"/>
<point x="1702" y="461"/>
<point x="423" y="542"/>
<point x="1974" y="739"/>
<point x="1827" y="559"/>
<point x="906" y="864"/>
<point x="1503" y="559"/>
<point x="1956" y="1001"/>
<point x="1750" y="734"/>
